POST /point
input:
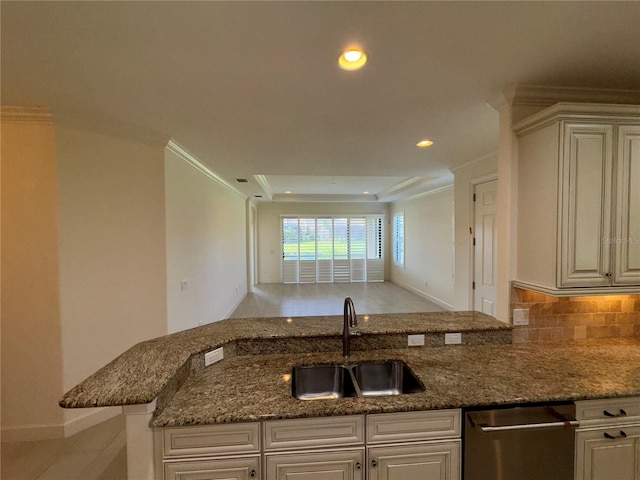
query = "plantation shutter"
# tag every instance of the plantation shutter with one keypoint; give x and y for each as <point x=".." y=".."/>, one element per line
<point x="290" y="250"/>
<point x="327" y="249"/>
<point x="358" y="248"/>
<point x="375" y="248"/>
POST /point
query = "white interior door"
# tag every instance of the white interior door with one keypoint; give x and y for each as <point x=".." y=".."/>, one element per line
<point x="484" y="234"/>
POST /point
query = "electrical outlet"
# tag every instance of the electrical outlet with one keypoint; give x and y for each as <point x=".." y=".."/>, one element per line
<point x="213" y="356"/>
<point x="415" y="340"/>
<point x="521" y="316"/>
<point x="184" y="284"/>
<point x="453" y="338"/>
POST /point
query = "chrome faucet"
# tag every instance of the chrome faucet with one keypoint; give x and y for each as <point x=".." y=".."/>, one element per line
<point x="350" y="320"/>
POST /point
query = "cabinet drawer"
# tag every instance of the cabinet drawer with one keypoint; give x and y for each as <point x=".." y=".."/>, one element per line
<point x="211" y="439"/>
<point x="241" y="468"/>
<point x="611" y="410"/>
<point x="313" y="432"/>
<point x="345" y="464"/>
<point x="413" y="426"/>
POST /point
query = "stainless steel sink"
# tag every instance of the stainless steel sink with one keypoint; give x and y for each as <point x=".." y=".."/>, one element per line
<point x="314" y="382"/>
<point x="386" y="378"/>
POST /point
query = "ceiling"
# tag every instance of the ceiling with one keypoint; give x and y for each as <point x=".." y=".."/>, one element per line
<point x="252" y="89"/>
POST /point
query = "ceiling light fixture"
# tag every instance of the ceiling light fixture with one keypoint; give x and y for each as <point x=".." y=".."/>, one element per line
<point x="288" y="191"/>
<point x="366" y="193"/>
<point x="424" y="143"/>
<point x="353" y="58"/>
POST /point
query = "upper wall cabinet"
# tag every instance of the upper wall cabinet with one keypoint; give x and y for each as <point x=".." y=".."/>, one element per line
<point x="579" y="200"/>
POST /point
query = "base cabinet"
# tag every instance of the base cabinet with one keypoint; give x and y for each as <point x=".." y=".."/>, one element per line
<point x="430" y="461"/>
<point x="608" y="454"/>
<point x="608" y="440"/>
<point x="326" y="465"/>
<point x="242" y="468"/>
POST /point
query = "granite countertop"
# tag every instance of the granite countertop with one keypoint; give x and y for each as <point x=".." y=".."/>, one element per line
<point x="257" y="387"/>
<point x="146" y="370"/>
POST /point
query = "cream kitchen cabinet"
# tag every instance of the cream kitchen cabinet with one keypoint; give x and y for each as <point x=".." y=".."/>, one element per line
<point x="415" y="445"/>
<point x="608" y="440"/>
<point x="208" y="452"/>
<point x="579" y="200"/>
<point x="315" y="448"/>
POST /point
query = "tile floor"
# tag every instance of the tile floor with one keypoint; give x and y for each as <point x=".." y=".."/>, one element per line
<point x="98" y="453"/>
<point x="278" y="300"/>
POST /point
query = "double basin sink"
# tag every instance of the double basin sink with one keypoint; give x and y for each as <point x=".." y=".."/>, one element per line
<point x="315" y="382"/>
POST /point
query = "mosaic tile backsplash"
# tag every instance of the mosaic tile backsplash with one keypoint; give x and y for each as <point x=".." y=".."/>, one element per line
<point x="558" y="319"/>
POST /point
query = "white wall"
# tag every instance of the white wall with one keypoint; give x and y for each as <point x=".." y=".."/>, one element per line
<point x="112" y="249"/>
<point x="206" y="246"/>
<point x="269" y="240"/>
<point x="31" y="337"/>
<point x="429" y="249"/>
<point x="465" y="178"/>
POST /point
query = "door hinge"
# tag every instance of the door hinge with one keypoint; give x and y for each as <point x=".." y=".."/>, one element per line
<point x="473" y="285"/>
<point x="470" y="231"/>
<point x="474" y="241"/>
<point x="474" y="197"/>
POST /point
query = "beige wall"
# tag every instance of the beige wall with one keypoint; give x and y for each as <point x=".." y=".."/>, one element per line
<point x="32" y="380"/>
<point x="466" y="177"/>
<point x="429" y="251"/>
<point x="269" y="240"/>
<point x="206" y="246"/>
<point x="112" y="249"/>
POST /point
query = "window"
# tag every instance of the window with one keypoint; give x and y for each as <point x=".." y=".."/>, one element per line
<point x="398" y="239"/>
<point x="332" y="249"/>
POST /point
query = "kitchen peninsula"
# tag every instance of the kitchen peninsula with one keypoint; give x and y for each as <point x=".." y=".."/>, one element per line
<point x="163" y="382"/>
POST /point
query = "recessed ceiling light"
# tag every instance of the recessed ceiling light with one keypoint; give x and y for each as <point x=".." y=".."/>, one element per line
<point x="353" y="58"/>
<point x="288" y="191"/>
<point x="366" y="193"/>
<point x="424" y="143"/>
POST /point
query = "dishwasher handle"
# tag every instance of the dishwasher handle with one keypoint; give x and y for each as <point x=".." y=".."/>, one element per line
<point x="529" y="426"/>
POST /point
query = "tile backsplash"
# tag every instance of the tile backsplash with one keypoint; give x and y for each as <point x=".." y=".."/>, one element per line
<point x="557" y="319"/>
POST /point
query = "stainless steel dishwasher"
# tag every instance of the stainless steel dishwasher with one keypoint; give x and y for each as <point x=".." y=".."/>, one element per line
<point x="520" y="443"/>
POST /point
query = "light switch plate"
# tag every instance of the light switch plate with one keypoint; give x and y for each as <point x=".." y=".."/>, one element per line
<point x="453" y="338"/>
<point x="415" y="340"/>
<point x="213" y="356"/>
<point x="521" y="316"/>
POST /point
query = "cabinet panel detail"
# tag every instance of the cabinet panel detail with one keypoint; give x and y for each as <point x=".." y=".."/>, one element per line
<point x="586" y="204"/>
<point x="432" y="461"/>
<point x="626" y="238"/>
<point x="608" y="453"/>
<point x="244" y="468"/>
<point x="313" y="432"/>
<point x="211" y="439"/>
<point x="609" y="411"/>
<point x="324" y="465"/>
<point x="413" y="426"/>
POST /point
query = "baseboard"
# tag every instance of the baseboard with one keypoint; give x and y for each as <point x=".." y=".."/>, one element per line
<point x="92" y="417"/>
<point x="233" y="309"/>
<point x="431" y="298"/>
<point x="28" y="433"/>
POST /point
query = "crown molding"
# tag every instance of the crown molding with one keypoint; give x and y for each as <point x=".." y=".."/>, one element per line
<point x="544" y="96"/>
<point x="403" y="188"/>
<point x="576" y="111"/>
<point x="476" y="161"/>
<point x="182" y="153"/>
<point x="13" y="114"/>
<point x="443" y="188"/>
<point x="311" y="198"/>
<point x="265" y="185"/>
<point x="102" y="125"/>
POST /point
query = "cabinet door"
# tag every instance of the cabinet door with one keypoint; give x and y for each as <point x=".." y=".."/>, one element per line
<point x="245" y="468"/>
<point x="626" y="239"/>
<point x="327" y="465"/>
<point x="600" y="457"/>
<point x="585" y="212"/>
<point x="433" y="461"/>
